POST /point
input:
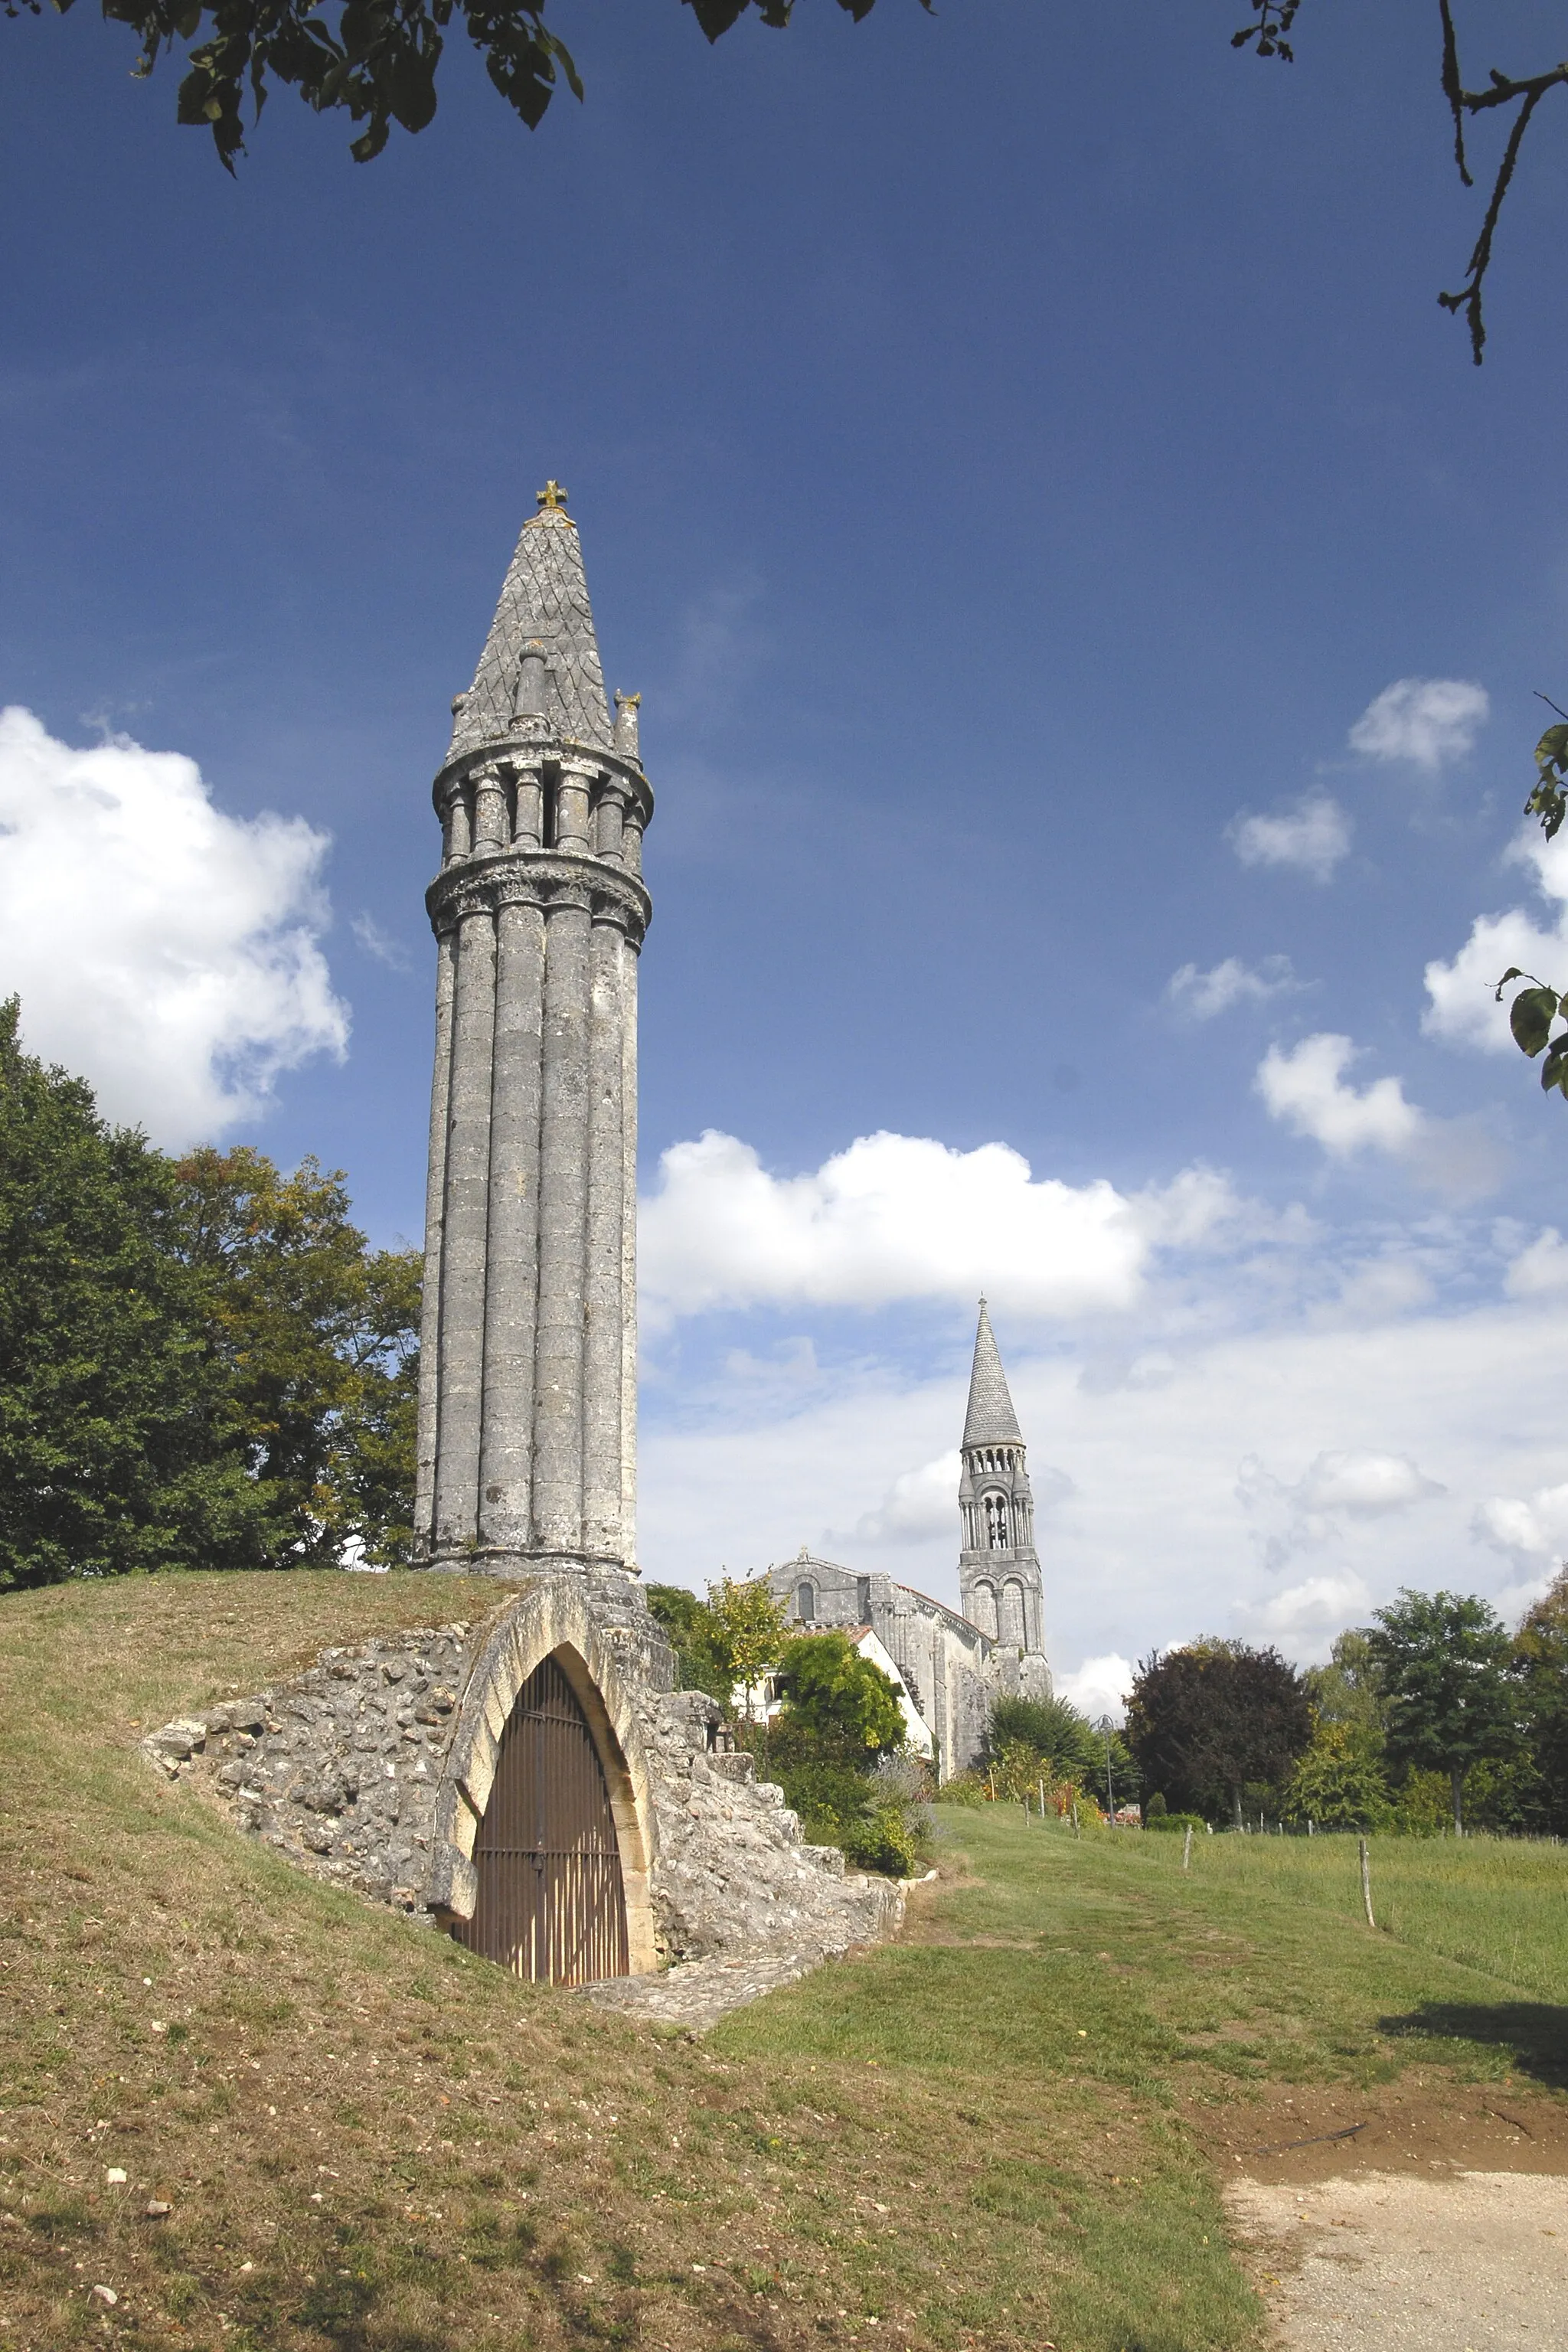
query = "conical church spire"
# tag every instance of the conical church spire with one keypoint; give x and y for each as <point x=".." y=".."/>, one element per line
<point x="999" y="1581"/>
<point x="991" y="1420"/>
<point x="544" y="604"/>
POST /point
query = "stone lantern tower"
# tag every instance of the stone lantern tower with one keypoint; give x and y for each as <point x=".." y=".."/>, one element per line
<point x="527" y="1448"/>
<point x="999" y="1576"/>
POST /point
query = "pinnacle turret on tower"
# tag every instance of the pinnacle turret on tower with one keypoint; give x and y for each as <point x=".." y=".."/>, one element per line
<point x="999" y="1577"/>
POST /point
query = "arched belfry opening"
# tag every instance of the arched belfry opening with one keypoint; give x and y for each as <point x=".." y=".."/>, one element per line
<point x="550" y="1902"/>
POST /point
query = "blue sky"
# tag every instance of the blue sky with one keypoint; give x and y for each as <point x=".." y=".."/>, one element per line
<point x="1012" y="449"/>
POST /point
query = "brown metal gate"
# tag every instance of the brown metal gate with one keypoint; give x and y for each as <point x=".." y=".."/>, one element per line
<point x="551" y="1903"/>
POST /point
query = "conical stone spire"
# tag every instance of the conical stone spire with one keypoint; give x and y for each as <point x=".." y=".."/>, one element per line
<point x="544" y="602"/>
<point x="991" y="1420"/>
<point x="999" y="1581"/>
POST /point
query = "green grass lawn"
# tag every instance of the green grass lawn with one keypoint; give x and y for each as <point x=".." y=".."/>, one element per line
<point x="1499" y="1905"/>
<point x="988" y="2134"/>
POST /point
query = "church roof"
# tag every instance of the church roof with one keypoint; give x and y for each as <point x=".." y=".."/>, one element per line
<point x="991" y="1420"/>
<point x="544" y="595"/>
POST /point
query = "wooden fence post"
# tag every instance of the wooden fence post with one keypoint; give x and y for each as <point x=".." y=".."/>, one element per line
<point x="1366" y="1883"/>
<point x="1187" y="1848"/>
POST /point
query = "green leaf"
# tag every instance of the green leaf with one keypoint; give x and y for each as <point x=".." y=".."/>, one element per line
<point x="1531" y="1016"/>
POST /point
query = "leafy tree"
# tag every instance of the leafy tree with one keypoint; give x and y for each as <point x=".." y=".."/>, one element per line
<point x="1340" y="1782"/>
<point x="318" y="1338"/>
<point x="1540" y="1662"/>
<point x="201" y="1364"/>
<point x="693" y="1636"/>
<point x="1207" y="1722"/>
<point x="1049" y="1729"/>
<point x="840" y="1698"/>
<point x="377" y="61"/>
<point x="749" y="1632"/>
<point x="1349" y="1689"/>
<point x="114" y="1453"/>
<point x="1449" y="1701"/>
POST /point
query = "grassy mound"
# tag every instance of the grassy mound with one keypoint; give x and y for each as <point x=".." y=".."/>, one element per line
<point x="980" y="2137"/>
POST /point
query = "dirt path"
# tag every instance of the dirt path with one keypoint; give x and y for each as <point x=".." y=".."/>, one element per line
<point x="1475" y="2261"/>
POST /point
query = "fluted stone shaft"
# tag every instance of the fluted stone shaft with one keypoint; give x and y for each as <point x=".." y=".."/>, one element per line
<point x="434" y="1213"/>
<point x="528" y="1383"/>
<point x="558" y="1413"/>
<point x="511" y="1301"/>
<point x="464" y="1242"/>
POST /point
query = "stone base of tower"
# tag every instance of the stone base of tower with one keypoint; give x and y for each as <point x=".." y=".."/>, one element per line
<point x="511" y="1567"/>
<point x="373" y="1769"/>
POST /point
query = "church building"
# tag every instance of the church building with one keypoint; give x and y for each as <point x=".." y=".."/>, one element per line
<point x="952" y="1663"/>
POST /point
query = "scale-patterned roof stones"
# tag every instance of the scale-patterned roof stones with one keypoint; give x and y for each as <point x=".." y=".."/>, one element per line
<point x="544" y="596"/>
<point x="991" y="1420"/>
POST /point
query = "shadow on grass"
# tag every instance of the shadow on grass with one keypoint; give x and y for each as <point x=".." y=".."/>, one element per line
<point x="1534" y="2031"/>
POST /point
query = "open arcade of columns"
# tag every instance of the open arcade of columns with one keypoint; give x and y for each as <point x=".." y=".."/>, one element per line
<point x="528" y="1394"/>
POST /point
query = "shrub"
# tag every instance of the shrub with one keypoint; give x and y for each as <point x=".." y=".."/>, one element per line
<point x="883" y="1842"/>
<point x="1154" y="1821"/>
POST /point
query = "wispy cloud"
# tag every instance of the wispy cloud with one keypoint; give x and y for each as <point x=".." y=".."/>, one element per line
<point x="1312" y="839"/>
<point x="379" y="944"/>
<point x="1426" y="721"/>
<point x="1203" y="994"/>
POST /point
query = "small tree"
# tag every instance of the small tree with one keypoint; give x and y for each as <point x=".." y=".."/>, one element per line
<point x="749" y="1634"/>
<point x="1204" y="1722"/>
<point x="1449" y="1699"/>
<point x="1340" y="1782"/>
<point x="1541" y="1662"/>
<point x="840" y="1697"/>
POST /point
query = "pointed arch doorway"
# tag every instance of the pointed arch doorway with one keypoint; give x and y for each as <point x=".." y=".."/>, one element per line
<point x="551" y="1903"/>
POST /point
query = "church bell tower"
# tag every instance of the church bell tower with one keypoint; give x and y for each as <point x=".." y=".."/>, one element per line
<point x="998" y="1568"/>
<point x="526" y="1450"/>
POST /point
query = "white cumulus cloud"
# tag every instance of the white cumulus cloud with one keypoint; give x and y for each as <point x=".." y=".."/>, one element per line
<point x="1525" y="1529"/>
<point x="1318" y="1605"/>
<point x="1540" y="1269"/>
<point x="1098" y="1687"/>
<point x="167" y="952"/>
<point x="1306" y="1088"/>
<point x="923" y="1502"/>
<point x="1313" y="837"/>
<point x="1366" y="1485"/>
<point x="903" y="1217"/>
<point x="1203" y="994"/>
<point x="1463" y="1008"/>
<point x="1426" y="720"/>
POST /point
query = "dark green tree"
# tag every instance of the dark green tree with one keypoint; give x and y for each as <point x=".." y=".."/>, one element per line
<point x="1206" y="1723"/>
<point x="840" y="1698"/>
<point x="1449" y="1699"/>
<point x="1540" y="1664"/>
<point x="114" y="1445"/>
<point x="316" y="1337"/>
<point x="694" y="1636"/>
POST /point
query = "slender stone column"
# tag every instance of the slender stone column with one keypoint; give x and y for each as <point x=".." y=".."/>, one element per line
<point x="628" y="1250"/>
<point x="463" y="1234"/>
<point x="435" y="1210"/>
<point x="512" y="1293"/>
<point x="562" y="1234"/>
<point x="604" y="1337"/>
<point x="528" y="1379"/>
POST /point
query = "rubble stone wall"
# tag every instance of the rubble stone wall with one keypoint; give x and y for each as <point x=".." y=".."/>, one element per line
<point x="371" y="1769"/>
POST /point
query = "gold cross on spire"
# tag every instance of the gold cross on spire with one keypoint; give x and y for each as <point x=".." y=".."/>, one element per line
<point x="551" y="497"/>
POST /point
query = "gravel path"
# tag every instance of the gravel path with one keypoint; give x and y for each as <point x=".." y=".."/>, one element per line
<point x="1477" y="2262"/>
